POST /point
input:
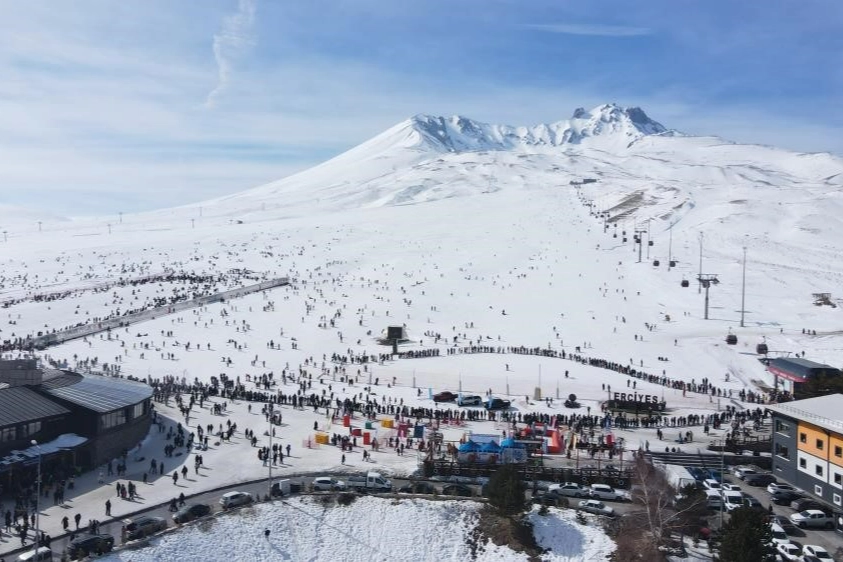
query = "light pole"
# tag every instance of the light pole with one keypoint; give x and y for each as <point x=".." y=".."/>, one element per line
<point x="743" y="288"/>
<point x="699" y="289"/>
<point x="37" y="499"/>
<point x="269" y="452"/>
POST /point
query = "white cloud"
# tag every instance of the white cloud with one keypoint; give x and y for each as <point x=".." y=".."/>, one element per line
<point x="596" y="29"/>
<point x="235" y="38"/>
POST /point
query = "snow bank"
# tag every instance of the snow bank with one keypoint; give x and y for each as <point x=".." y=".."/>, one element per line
<point x="368" y="529"/>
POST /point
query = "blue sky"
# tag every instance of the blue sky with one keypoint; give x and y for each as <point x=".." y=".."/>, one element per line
<point x="140" y="104"/>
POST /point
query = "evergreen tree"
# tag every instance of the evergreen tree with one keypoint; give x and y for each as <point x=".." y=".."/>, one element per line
<point x="507" y="491"/>
<point x="747" y="536"/>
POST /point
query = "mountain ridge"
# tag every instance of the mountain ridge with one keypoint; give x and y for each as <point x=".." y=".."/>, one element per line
<point x="462" y="134"/>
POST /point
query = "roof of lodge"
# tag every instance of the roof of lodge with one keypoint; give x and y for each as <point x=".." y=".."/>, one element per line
<point x="97" y="393"/>
<point x="798" y="365"/>
<point x="824" y="411"/>
<point x="20" y="404"/>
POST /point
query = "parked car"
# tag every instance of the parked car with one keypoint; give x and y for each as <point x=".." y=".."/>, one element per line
<point x="596" y="507"/>
<point x="605" y="492"/>
<point x="816" y="551"/>
<point x="550" y="497"/>
<point x="727" y="487"/>
<point x="789" y="552"/>
<point x="143" y="526"/>
<point x="470" y="400"/>
<point x="498" y="404"/>
<point x="714" y="475"/>
<point x="778" y="535"/>
<point x="235" y="499"/>
<point x="571" y="489"/>
<point x="774" y="487"/>
<point x="698" y="473"/>
<point x="444" y="396"/>
<point x="326" y="484"/>
<point x="782" y="497"/>
<point x="784" y="523"/>
<point x="40" y="554"/>
<point x="90" y="544"/>
<point x="751" y="502"/>
<point x="742" y="471"/>
<point x="812" y="518"/>
<point x="711" y="484"/>
<point x="417" y="488"/>
<point x="759" y="479"/>
<point x="191" y="512"/>
<point x="457" y="490"/>
<point x="806" y="503"/>
<point x="732" y="500"/>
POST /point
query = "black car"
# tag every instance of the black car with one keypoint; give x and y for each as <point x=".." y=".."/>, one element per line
<point x="144" y="526"/>
<point x="551" y="497"/>
<point x="784" y="523"/>
<point x="498" y="404"/>
<point x="806" y="503"/>
<point x="457" y="490"/>
<point x="784" y="497"/>
<point x="417" y="488"/>
<point x="759" y="480"/>
<point x="191" y="512"/>
<point x="90" y="544"/>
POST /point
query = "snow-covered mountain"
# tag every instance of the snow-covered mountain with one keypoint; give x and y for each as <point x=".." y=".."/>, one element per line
<point x="643" y="171"/>
<point x="460" y="134"/>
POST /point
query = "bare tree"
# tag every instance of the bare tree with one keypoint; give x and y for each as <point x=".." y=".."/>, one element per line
<point x="665" y="513"/>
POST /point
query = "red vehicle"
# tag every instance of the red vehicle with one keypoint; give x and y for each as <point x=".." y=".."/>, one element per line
<point x="444" y="396"/>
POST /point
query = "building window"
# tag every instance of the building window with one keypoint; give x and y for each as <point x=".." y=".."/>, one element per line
<point x="836" y="498"/>
<point x="838" y="451"/>
<point x="782" y="451"/>
<point x="138" y="410"/>
<point x="113" y="419"/>
<point x="8" y="434"/>
<point x="818" y="469"/>
<point x="31" y="429"/>
<point x="803" y="438"/>
<point x="803" y="463"/>
<point x="820" y="444"/>
<point x="818" y="491"/>
<point x="838" y="479"/>
<point x="782" y="428"/>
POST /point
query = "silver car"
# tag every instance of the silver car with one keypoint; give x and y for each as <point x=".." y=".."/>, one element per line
<point x="596" y="507"/>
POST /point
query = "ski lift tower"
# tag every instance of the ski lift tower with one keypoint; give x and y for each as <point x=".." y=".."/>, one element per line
<point x="706" y="281"/>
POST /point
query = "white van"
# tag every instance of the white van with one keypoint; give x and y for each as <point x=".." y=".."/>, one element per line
<point x="43" y="554"/>
<point x="713" y="499"/>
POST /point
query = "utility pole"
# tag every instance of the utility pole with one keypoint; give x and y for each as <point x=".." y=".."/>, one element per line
<point x="39" y="226"/>
<point x="670" y="247"/>
<point x="699" y="290"/>
<point x="707" y="280"/>
<point x="638" y="238"/>
<point x="743" y="288"/>
<point x="648" y="239"/>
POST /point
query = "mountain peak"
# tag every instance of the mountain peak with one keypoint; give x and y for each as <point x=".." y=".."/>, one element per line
<point x="461" y="134"/>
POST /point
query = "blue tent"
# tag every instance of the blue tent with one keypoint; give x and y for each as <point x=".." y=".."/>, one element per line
<point x="490" y="447"/>
<point x="509" y="442"/>
<point x="469" y="447"/>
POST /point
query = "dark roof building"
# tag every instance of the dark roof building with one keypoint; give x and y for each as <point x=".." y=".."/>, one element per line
<point x="791" y="372"/>
<point x="110" y="415"/>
